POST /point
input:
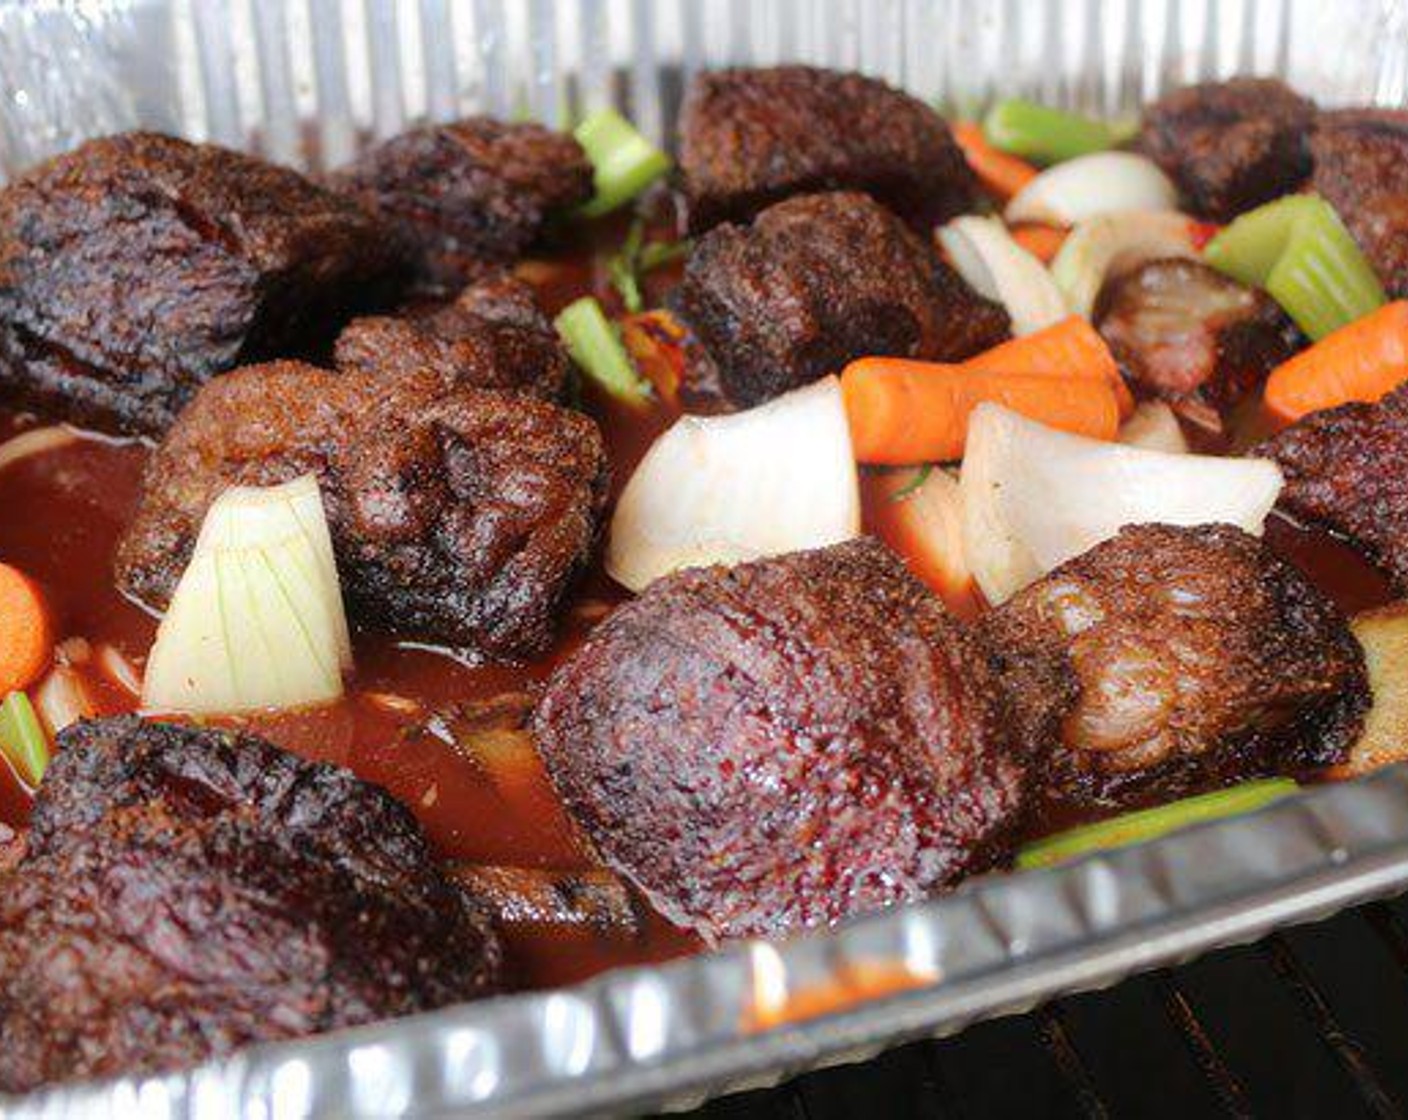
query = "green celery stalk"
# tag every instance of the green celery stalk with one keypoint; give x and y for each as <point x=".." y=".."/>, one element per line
<point x="1147" y="824"/>
<point x="1042" y="134"/>
<point x="592" y="340"/>
<point x="22" y="739"/>
<point x="624" y="161"/>
<point x="1249" y="247"/>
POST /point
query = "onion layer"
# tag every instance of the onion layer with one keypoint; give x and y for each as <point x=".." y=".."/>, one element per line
<point x="986" y="256"/>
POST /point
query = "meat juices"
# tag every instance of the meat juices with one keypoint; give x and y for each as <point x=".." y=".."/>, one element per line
<point x="1346" y="469"/>
<point x="468" y="197"/>
<point x="187" y="892"/>
<point x="813" y="283"/>
<point x="137" y="267"/>
<point x="1200" y="658"/>
<point x="458" y="515"/>
<point x="1188" y="335"/>
<point x="494" y="336"/>
<point x="782" y="744"/>
<point x="1230" y="146"/>
<point x="1361" y="169"/>
<point x="749" y="138"/>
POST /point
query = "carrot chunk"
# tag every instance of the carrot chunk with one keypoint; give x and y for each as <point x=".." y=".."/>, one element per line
<point x="1042" y="242"/>
<point x="26" y="631"/>
<point x="1001" y="174"/>
<point x="1070" y="350"/>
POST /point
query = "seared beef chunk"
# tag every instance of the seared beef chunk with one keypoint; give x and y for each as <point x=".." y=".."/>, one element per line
<point x="784" y="743"/>
<point x="1231" y="145"/>
<point x="137" y="267"/>
<point x="815" y="282"/>
<point x="1200" y="658"/>
<point x="1185" y="333"/>
<point x="751" y="137"/>
<point x="493" y="337"/>
<point x="1361" y="169"/>
<point x="458" y="515"/>
<point x="470" y="196"/>
<point x="1347" y="469"/>
<point x="187" y="892"/>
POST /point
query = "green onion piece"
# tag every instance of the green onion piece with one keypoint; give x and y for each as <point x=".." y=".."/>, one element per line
<point x="920" y="477"/>
<point x="1147" y="824"/>
<point x="657" y="254"/>
<point x="22" y="739"/>
<point x="592" y="340"/>
<point x="625" y="162"/>
<point x="1301" y="253"/>
<point x="624" y="268"/>
<point x="1044" y="135"/>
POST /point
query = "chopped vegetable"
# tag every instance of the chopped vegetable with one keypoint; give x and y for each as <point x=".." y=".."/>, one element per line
<point x="1071" y="349"/>
<point x="1042" y="134"/>
<point x="1001" y="174"/>
<point x="920" y="516"/>
<point x="62" y="699"/>
<point x="1042" y="242"/>
<point x="984" y="254"/>
<point x="1301" y="253"/>
<point x="655" y="342"/>
<point x="1149" y="824"/>
<point x="1359" y="362"/>
<point x="635" y="258"/>
<point x="1102" y="248"/>
<point x="257" y="619"/>
<point x="592" y="340"/>
<point x="1104" y="183"/>
<point x="22" y="739"/>
<point x="624" y="161"/>
<point x="725" y="489"/>
<point x="26" y="630"/>
<point x="1383" y="634"/>
<point x="36" y="441"/>
<point x="1155" y="427"/>
<point x="1034" y="497"/>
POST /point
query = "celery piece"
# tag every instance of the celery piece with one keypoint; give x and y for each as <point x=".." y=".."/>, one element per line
<point x="22" y="739"/>
<point x="592" y="340"/>
<point x="1249" y="247"/>
<point x="624" y="161"/>
<point x="1042" y="134"/>
<point x="1148" y="824"/>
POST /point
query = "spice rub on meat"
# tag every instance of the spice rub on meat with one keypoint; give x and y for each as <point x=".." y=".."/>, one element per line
<point x="1230" y="146"/>
<point x="749" y="138"/>
<point x="186" y="892"/>
<point x="494" y="336"/>
<point x="1199" y="658"/>
<point x="813" y="283"/>
<point x="137" y="267"/>
<point x="785" y="743"/>
<point x="468" y="197"/>
<point x="1361" y="169"/>
<point x="1346" y="469"/>
<point x="458" y="515"/>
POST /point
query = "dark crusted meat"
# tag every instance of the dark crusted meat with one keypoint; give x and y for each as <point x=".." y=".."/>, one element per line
<point x="1231" y="145"/>
<point x="1199" y="657"/>
<point x="470" y="196"/>
<point x="785" y="743"/>
<point x="137" y="267"/>
<point x="493" y="337"/>
<point x="1347" y="469"/>
<point x="1361" y="169"/>
<point x="813" y="283"/>
<point x="751" y="137"/>
<point x="187" y="892"/>
<point x="458" y="515"/>
<point x="1185" y="333"/>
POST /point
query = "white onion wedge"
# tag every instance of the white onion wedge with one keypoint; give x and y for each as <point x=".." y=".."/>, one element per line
<point x="725" y="489"/>
<point x="36" y="441"/>
<point x="985" y="255"/>
<point x="1100" y="183"/>
<point x="1109" y="246"/>
<point x="1155" y="427"/>
<point x="62" y="700"/>
<point x="1034" y="497"/>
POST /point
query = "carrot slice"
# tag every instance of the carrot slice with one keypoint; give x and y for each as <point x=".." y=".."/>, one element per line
<point x="26" y="632"/>
<point x="919" y="513"/>
<point x="1042" y="242"/>
<point x="655" y="341"/>
<point x="1359" y="362"/>
<point x="903" y="411"/>
<point x="1070" y="350"/>
<point x="1000" y="173"/>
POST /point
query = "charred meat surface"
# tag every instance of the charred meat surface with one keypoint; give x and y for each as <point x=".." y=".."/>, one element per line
<point x="494" y="336"/>
<point x="781" y="744"/>
<point x="1231" y="145"/>
<point x="458" y="515"/>
<point x="470" y="196"/>
<point x="749" y="138"/>
<point x="813" y="283"/>
<point x="1188" y="335"/>
<point x="1361" y="169"/>
<point x="1199" y="657"/>
<point x="187" y="892"/>
<point x="1346" y="469"/>
<point x="137" y="267"/>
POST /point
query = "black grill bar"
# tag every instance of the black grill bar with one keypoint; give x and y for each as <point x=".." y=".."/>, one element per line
<point x="1220" y="1078"/>
<point x="1056" y="1037"/>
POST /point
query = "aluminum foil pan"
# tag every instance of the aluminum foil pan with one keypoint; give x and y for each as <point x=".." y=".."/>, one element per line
<point x="307" y="82"/>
